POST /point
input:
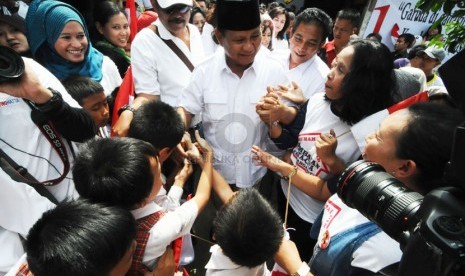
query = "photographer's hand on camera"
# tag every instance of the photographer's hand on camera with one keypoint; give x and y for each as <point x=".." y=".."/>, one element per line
<point x="27" y="87"/>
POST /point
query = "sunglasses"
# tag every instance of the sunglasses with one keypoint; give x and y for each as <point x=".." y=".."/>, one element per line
<point x="176" y="8"/>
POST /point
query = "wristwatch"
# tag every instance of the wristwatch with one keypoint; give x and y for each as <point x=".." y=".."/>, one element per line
<point x="52" y="103"/>
<point x="124" y="108"/>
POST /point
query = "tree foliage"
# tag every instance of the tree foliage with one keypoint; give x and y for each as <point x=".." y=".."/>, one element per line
<point x="454" y="10"/>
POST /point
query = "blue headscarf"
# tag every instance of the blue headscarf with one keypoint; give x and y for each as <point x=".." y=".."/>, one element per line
<point x="45" y="21"/>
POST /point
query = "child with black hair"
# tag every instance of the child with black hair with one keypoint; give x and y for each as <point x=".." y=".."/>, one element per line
<point x="159" y="124"/>
<point x="91" y="96"/>
<point x="80" y="238"/>
<point x="126" y="172"/>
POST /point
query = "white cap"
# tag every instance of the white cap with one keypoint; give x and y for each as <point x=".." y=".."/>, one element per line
<point x="168" y="3"/>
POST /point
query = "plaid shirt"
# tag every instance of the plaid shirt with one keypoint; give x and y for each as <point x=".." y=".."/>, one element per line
<point x="143" y="232"/>
<point x="24" y="270"/>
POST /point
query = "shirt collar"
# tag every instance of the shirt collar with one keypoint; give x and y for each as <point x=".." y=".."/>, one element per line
<point x="148" y="209"/>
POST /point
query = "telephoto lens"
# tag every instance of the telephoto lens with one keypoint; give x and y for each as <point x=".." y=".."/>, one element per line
<point x="380" y="197"/>
<point x="11" y="65"/>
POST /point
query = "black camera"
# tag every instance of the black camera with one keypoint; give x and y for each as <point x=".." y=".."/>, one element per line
<point x="430" y="229"/>
<point x="11" y="65"/>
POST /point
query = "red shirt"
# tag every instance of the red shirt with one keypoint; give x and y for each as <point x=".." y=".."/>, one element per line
<point x="330" y="52"/>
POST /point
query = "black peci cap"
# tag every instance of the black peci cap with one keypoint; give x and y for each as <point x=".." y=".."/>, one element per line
<point x="237" y="15"/>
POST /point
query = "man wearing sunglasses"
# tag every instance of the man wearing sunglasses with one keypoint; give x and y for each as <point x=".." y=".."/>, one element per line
<point x="159" y="73"/>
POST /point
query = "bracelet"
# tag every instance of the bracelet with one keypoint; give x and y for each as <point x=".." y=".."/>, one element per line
<point x="303" y="270"/>
<point x="124" y="108"/>
<point x="291" y="174"/>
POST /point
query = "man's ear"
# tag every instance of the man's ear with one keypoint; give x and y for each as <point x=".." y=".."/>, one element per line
<point x="219" y="36"/>
<point x="99" y="27"/>
<point x="164" y="153"/>
<point x="407" y="169"/>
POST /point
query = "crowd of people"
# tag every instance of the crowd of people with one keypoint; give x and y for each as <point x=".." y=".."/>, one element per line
<point x="248" y="109"/>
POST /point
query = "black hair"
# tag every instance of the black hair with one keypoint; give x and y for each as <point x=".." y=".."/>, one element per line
<point x="315" y="16"/>
<point x="369" y="86"/>
<point x="375" y="35"/>
<point x="274" y="13"/>
<point x="114" y="171"/>
<point x="158" y="123"/>
<point x="415" y="51"/>
<point x="409" y="38"/>
<point x="248" y="229"/>
<point x="349" y="14"/>
<point x="81" y="87"/>
<point x="195" y="11"/>
<point x="79" y="238"/>
<point x="103" y="11"/>
<point x="427" y="140"/>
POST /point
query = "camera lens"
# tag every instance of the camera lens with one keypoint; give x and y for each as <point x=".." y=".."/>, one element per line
<point x="379" y="196"/>
<point x="11" y="65"/>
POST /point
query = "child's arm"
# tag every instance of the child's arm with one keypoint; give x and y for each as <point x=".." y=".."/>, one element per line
<point x="309" y="184"/>
<point x="202" y="194"/>
<point x="220" y="186"/>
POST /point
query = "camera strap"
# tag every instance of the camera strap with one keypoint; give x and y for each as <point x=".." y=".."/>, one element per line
<point x="54" y="139"/>
<point x="174" y="48"/>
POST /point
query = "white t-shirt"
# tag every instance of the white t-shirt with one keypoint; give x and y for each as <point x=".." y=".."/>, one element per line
<point x="111" y="77"/>
<point x="227" y="104"/>
<point x="157" y="69"/>
<point x="171" y="226"/>
<point x="319" y="119"/>
<point x="279" y="43"/>
<point x="375" y="253"/>
<point x="21" y="140"/>
<point x="435" y="81"/>
<point x="310" y="75"/>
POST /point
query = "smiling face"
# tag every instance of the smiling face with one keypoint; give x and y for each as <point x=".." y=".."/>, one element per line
<point x="240" y="47"/>
<point x="278" y="23"/>
<point x="339" y="69"/>
<point x="13" y="38"/>
<point x="266" y="36"/>
<point x="305" y="42"/>
<point x="72" y="43"/>
<point x="174" y="18"/>
<point x="116" y="30"/>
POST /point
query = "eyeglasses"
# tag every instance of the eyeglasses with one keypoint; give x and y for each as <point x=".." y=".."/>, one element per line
<point x="176" y="8"/>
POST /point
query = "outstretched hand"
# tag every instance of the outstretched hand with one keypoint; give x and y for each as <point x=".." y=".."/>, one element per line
<point x="199" y="152"/>
<point x="265" y="159"/>
<point x="293" y="93"/>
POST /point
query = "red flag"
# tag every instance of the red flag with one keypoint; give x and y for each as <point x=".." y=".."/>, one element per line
<point x="131" y="9"/>
<point x="125" y="96"/>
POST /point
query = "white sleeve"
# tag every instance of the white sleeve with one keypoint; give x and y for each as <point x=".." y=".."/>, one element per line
<point x="192" y="95"/>
<point x="47" y="79"/>
<point x="170" y="227"/>
<point x="111" y="78"/>
<point x="21" y="206"/>
<point x="144" y="64"/>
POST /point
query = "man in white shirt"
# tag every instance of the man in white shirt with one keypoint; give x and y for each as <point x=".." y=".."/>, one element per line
<point x="159" y="74"/>
<point x="303" y="66"/>
<point x="225" y="89"/>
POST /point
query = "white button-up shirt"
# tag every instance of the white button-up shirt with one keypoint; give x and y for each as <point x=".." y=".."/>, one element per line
<point x="157" y="69"/>
<point x="227" y="104"/>
<point x="310" y="75"/>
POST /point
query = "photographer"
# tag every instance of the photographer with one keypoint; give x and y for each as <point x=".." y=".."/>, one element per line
<point x="23" y="142"/>
<point x="414" y="146"/>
